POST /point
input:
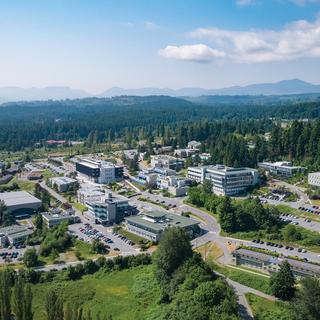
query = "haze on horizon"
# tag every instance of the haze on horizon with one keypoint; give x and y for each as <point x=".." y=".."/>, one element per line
<point x="95" y="45"/>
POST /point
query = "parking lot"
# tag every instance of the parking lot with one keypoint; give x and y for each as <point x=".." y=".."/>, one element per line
<point x="12" y="254"/>
<point x="88" y="232"/>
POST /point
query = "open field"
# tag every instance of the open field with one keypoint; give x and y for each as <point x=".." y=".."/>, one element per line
<point x="210" y="251"/>
<point x="117" y="293"/>
<point x="264" y="309"/>
<point x="246" y="277"/>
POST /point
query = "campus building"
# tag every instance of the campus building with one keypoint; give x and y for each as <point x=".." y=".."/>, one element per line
<point x="271" y="264"/>
<point x="314" y="179"/>
<point x="150" y="225"/>
<point x="167" y="162"/>
<point x="146" y="178"/>
<point x="225" y="180"/>
<point x="174" y="185"/>
<point x="63" y="184"/>
<point x="281" y="168"/>
<point x="110" y="210"/>
<point x="52" y="219"/>
<point x="13" y="235"/>
<point x="100" y="171"/>
<point x="20" y="203"/>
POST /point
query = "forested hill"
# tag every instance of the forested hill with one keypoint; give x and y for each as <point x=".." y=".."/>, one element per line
<point x="22" y="124"/>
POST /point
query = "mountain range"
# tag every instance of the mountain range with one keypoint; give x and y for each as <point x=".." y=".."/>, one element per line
<point x="285" y="87"/>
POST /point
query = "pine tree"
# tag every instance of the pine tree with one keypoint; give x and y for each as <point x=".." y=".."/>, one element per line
<point x="18" y="298"/>
<point x="27" y="308"/>
<point x="5" y="295"/>
<point x="282" y="283"/>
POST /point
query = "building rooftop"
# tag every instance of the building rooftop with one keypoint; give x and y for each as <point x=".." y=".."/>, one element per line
<point x="159" y="221"/>
<point x="18" y="198"/>
<point x="63" y="180"/>
<point x="268" y="258"/>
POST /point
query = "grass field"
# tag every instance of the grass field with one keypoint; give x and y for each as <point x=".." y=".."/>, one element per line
<point x="126" y="295"/>
<point x="131" y="236"/>
<point x="23" y="184"/>
<point x="210" y="251"/>
<point x="264" y="309"/>
<point x="245" y="277"/>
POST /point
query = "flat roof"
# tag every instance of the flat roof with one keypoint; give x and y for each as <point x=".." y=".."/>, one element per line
<point x="169" y="220"/>
<point x="18" y="198"/>
<point x="63" y="180"/>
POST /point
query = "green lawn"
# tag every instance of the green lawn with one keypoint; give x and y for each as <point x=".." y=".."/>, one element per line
<point x="247" y="278"/>
<point x="126" y="295"/>
<point x="264" y="309"/>
<point x="131" y="236"/>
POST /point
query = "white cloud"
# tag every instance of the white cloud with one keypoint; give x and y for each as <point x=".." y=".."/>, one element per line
<point x="300" y="39"/>
<point x="245" y="2"/>
<point x="196" y="52"/>
<point x="304" y="2"/>
<point x="150" y="25"/>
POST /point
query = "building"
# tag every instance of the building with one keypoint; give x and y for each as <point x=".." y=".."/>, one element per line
<point x="197" y="174"/>
<point x="194" y="145"/>
<point x="63" y="184"/>
<point x="272" y="264"/>
<point x="13" y="235"/>
<point x="20" y="203"/>
<point x="100" y="171"/>
<point x="110" y="209"/>
<point x="150" y="225"/>
<point x="35" y="175"/>
<point x="6" y="178"/>
<point x="146" y="178"/>
<point x="314" y="179"/>
<point x="175" y="186"/>
<point x="52" y="219"/>
<point x="90" y="194"/>
<point x="282" y="168"/>
<point x="167" y="162"/>
<point x="185" y="153"/>
<point x="2" y="167"/>
<point x="225" y="180"/>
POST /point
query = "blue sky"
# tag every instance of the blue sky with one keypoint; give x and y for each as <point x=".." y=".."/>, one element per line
<point x="94" y="45"/>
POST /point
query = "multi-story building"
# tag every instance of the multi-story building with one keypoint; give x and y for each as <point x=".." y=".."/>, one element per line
<point x="110" y="210"/>
<point x="197" y="174"/>
<point x="314" y="179"/>
<point x="90" y="194"/>
<point x="150" y="225"/>
<point x="146" y="178"/>
<point x="63" y="184"/>
<point x="52" y="219"/>
<point x="225" y="180"/>
<point x="281" y="168"/>
<point x="174" y="185"/>
<point x="167" y="162"/>
<point x="14" y="235"/>
<point x="271" y="264"/>
<point x="100" y="171"/>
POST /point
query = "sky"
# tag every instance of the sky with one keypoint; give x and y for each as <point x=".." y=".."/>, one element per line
<point x="97" y="44"/>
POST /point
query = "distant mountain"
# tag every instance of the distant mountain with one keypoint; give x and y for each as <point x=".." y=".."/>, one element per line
<point x="47" y="93"/>
<point x="285" y="87"/>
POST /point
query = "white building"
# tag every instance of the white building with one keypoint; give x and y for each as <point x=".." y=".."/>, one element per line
<point x="63" y="183"/>
<point x="281" y="168"/>
<point x="197" y="174"/>
<point x="175" y="186"/>
<point x="314" y="179"/>
<point x="194" y="145"/>
<point x="225" y="180"/>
